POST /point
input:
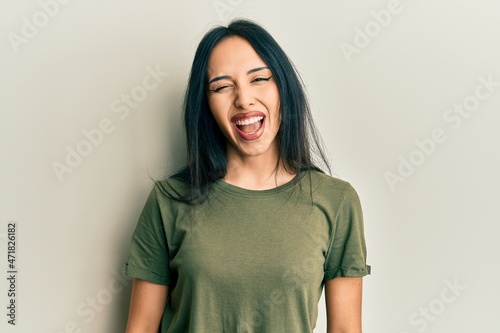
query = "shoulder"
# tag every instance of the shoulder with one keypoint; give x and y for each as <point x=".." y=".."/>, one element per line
<point x="325" y="182"/>
<point x="173" y="187"/>
<point x="330" y="190"/>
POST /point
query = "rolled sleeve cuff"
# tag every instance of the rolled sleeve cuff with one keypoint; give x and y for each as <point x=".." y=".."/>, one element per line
<point x="144" y="274"/>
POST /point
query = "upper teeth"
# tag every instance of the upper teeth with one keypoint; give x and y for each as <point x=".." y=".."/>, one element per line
<point x="249" y="121"/>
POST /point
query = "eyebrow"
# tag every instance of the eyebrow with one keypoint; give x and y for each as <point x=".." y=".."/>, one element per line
<point x="223" y="77"/>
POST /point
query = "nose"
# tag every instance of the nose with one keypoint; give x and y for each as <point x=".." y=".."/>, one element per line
<point x="244" y="98"/>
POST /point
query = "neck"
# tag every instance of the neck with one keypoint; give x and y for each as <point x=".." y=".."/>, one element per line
<point x="259" y="172"/>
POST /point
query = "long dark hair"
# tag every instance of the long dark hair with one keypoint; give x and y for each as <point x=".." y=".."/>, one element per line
<point x="299" y="143"/>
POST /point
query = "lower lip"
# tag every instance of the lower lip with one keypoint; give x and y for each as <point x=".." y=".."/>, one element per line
<point x="251" y="136"/>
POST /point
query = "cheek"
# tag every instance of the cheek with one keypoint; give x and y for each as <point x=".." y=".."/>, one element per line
<point x="273" y="98"/>
<point x="219" y="103"/>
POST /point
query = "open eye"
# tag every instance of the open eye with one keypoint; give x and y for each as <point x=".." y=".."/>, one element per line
<point x="261" y="79"/>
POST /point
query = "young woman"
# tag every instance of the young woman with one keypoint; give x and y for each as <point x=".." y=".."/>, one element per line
<point x="246" y="236"/>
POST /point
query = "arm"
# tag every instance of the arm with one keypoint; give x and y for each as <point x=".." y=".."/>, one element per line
<point x="343" y="304"/>
<point x="146" y="306"/>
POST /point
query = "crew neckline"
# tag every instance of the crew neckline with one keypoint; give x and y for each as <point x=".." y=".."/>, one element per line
<point x="240" y="191"/>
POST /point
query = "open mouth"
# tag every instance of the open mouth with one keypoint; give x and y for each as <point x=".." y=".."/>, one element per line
<point x="249" y="125"/>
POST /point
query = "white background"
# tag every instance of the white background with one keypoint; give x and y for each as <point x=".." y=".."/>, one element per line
<point x="434" y="227"/>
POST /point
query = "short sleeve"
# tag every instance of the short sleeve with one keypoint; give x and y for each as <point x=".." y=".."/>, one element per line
<point x="346" y="255"/>
<point x="148" y="254"/>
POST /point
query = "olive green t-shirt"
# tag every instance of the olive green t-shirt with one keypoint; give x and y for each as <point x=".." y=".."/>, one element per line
<point x="248" y="260"/>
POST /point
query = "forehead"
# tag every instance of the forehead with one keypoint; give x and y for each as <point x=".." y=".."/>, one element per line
<point x="233" y="54"/>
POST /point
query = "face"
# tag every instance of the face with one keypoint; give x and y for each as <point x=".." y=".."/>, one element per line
<point x="244" y="99"/>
